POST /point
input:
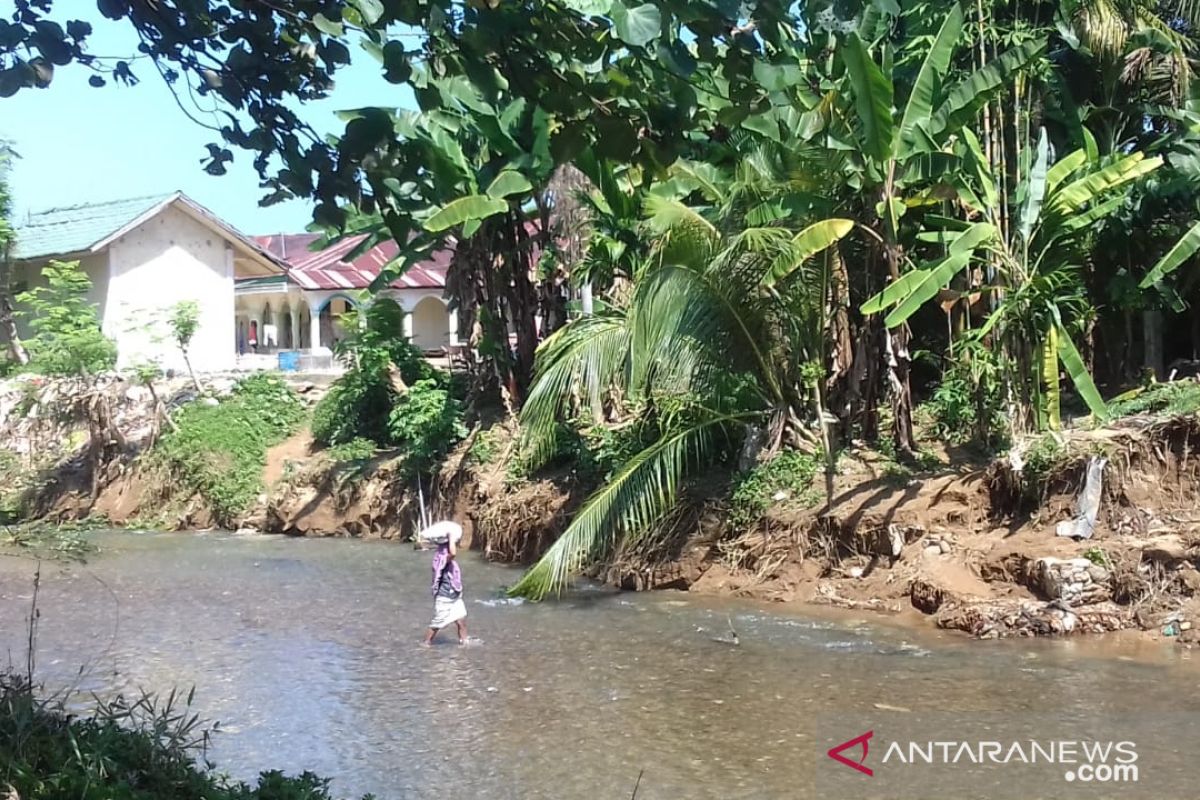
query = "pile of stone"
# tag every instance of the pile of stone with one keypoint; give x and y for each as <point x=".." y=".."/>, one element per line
<point x="999" y="619"/>
<point x="1076" y="581"/>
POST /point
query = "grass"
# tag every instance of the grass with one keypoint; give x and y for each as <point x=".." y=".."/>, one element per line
<point x="791" y="472"/>
<point x="1175" y="398"/>
<point x="219" y="451"/>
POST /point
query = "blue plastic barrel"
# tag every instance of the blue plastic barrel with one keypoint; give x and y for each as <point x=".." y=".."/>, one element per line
<point x="289" y="361"/>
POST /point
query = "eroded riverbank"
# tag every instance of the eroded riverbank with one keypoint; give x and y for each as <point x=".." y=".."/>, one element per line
<point x="970" y="543"/>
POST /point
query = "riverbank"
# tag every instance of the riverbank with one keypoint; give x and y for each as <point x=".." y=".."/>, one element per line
<point x="970" y="543"/>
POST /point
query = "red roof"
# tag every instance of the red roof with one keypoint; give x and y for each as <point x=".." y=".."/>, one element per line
<point x="326" y="269"/>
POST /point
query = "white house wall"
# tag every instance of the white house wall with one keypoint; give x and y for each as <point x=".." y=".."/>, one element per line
<point x="162" y="262"/>
<point x="30" y="276"/>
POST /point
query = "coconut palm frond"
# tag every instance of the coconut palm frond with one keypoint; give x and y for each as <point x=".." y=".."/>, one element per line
<point x="685" y="237"/>
<point x="585" y="359"/>
<point x="636" y="498"/>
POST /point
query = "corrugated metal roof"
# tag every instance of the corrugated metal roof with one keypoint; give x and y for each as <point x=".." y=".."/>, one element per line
<point x="326" y="269"/>
<point x="75" y="229"/>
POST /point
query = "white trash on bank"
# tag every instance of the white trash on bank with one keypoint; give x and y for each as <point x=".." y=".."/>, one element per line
<point x="1084" y="523"/>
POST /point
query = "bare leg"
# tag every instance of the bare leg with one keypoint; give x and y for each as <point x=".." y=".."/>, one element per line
<point x="462" y="630"/>
<point x="429" y="634"/>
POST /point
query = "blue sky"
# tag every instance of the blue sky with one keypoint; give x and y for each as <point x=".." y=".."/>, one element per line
<point x="79" y="144"/>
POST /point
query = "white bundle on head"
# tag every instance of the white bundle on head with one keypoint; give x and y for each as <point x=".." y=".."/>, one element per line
<point x="441" y="532"/>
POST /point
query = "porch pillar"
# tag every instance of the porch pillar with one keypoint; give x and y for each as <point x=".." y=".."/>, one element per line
<point x="452" y="318"/>
<point x="408" y="334"/>
<point x="314" y="328"/>
<point x="295" y="323"/>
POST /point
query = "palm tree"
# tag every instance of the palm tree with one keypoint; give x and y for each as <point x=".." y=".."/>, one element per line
<point x="717" y="344"/>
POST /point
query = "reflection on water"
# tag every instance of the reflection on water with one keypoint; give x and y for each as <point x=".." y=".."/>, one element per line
<point x="306" y="650"/>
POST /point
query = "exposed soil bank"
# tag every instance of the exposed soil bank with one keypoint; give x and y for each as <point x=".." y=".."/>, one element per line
<point x="974" y="547"/>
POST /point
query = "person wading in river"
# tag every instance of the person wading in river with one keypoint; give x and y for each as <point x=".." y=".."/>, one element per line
<point x="447" y="590"/>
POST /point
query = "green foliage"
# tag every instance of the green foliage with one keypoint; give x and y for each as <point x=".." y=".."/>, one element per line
<point x="485" y="448"/>
<point x="43" y="540"/>
<point x="791" y="472"/>
<point x="141" y="748"/>
<point x="14" y="479"/>
<point x="360" y="402"/>
<point x="66" y="326"/>
<point x="425" y="423"/>
<point x="184" y="321"/>
<point x="1042" y="458"/>
<point x="967" y="405"/>
<point x="1172" y="399"/>
<point x="219" y="451"/>
<point x="1098" y="556"/>
<point x="358" y="449"/>
<point x="599" y="450"/>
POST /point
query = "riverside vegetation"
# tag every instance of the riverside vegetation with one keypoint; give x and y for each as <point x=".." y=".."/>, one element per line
<point x="831" y="301"/>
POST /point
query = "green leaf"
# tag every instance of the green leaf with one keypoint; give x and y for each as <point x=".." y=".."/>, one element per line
<point x="872" y="98"/>
<point x="590" y="8"/>
<point x="1063" y="168"/>
<point x="637" y="26"/>
<point x="1074" y="366"/>
<point x="371" y="10"/>
<point x="475" y="206"/>
<point x="509" y="183"/>
<point x="980" y="170"/>
<point x="1050" y="380"/>
<point x="1184" y="249"/>
<point x="1037" y="188"/>
<point x="963" y="102"/>
<point x="804" y="245"/>
<point x="765" y="124"/>
<point x="925" y="290"/>
<point x="629" y="504"/>
<point x="919" y="108"/>
<point x="1079" y="193"/>
<point x="894" y="292"/>
<point x="686" y="237"/>
<point x="961" y="252"/>
<point x="327" y="26"/>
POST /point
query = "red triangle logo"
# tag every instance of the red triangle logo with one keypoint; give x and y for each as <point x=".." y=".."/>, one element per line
<point x="862" y="740"/>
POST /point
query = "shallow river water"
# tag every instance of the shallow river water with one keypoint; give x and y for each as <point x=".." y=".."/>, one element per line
<point x="305" y="650"/>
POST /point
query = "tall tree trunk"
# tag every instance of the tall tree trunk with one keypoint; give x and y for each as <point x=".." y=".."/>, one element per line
<point x="897" y="355"/>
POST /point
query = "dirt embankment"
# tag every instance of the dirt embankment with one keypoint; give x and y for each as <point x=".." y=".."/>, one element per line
<point x="976" y="548"/>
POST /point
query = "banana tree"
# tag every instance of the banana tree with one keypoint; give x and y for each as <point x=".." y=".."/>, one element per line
<point x="715" y="342"/>
<point x="1039" y="291"/>
<point x="905" y="154"/>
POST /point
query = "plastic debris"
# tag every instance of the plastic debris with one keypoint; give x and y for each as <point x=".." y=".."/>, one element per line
<point x="1088" y="507"/>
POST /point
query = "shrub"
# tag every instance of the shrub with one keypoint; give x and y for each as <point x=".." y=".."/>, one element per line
<point x="144" y="748"/>
<point x="753" y="493"/>
<point x="360" y="402"/>
<point x="425" y="424"/>
<point x="219" y="451"/>
<point x="67" y="339"/>
<point x="968" y="404"/>
<point x="358" y="449"/>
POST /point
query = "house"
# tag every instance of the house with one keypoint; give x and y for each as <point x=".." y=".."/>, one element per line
<point x="257" y="295"/>
<point x="300" y="310"/>
<point x="143" y="256"/>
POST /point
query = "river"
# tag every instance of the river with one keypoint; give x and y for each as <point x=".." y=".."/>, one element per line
<point x="306" y="651"/>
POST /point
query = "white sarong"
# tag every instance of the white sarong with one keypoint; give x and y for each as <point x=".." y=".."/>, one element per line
<point x="446" y="611"/>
